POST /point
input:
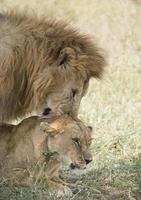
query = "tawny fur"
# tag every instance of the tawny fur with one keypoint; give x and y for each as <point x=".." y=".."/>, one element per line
<point x="35" y="56"/>
<point x="22" y="149"/>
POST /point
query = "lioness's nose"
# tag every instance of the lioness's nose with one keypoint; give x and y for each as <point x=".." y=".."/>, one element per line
<point x="88" y="161"/>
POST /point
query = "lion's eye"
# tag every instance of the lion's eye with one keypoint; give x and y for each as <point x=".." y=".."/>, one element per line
<point x="74" y="92"/>
<point x="76" y="141"/>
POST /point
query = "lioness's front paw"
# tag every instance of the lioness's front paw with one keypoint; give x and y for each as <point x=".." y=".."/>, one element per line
<point x="64" y="191"/>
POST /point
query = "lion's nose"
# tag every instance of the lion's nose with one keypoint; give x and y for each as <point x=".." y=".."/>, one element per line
<point x="88" y="161"/>
<point x="46" y="111"/>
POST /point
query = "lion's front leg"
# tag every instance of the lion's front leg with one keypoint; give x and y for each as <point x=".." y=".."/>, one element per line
<point x="21" y="177"/>
<point x="54" y="181"/>
<point x="59" y="180"/>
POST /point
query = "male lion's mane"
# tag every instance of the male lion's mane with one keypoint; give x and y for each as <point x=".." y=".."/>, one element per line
<point x="33" y="53"/>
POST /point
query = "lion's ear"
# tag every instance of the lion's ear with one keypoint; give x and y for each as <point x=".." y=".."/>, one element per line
<point x="66" y="56"/>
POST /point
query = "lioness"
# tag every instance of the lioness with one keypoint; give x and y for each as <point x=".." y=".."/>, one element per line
<point x="37" y="143"/>
<point x="45" y="66"/>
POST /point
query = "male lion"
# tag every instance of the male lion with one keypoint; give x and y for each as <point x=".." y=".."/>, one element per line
<point x="44" y="66"/>
<point x="38" y="144"/>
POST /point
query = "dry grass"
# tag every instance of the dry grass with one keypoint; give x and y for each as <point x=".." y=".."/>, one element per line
<point x="112" y="106"/>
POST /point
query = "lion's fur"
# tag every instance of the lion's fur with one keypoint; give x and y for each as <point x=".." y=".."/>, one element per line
<point x="22" y="147"/>
<point x="35" y="56"/>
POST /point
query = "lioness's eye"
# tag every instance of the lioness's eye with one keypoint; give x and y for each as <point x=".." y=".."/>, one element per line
<point x="76" y="141"/>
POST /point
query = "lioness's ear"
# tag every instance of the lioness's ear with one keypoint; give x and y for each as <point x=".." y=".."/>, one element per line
<point x="66" y="55"/>
<point x="90" y="128"/>
<point x="44" y="126"/>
